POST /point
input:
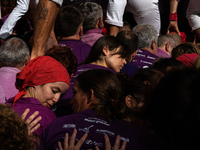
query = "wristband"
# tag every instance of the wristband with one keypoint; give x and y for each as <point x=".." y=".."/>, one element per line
<point x="173" y="17"/>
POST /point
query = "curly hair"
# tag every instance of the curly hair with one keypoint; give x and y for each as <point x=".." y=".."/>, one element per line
<point x="13" y="131"/>
<point x="65" y="56"/>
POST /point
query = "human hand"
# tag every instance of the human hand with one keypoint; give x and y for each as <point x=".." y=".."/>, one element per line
<point x="173" y="26"/>
<point x="69" y="144"/>
<point x="116" y="145"/>
<point x="31" y="125"/>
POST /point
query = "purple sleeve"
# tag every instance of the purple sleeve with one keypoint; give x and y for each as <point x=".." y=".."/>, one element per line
<point x="178" y="0"/>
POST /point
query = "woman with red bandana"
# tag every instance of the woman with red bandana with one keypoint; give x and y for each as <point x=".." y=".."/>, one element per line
<point x="40" y="85"/>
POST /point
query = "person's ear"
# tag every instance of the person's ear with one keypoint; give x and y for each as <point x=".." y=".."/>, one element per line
<point x="169" y="68"/>
<point x="154" y="47"/>
<point x="27" y="60"/>
<point x="100" y="23"/>
<point x="147" y="83"/>
<point x="168" y="47"/>
<point x="81" y="31"/>
<point x="130" y="101"/>
<point x="106" y="50"/>
<point x="90" y="97"/>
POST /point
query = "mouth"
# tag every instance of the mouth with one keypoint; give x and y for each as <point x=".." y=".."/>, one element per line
<point x="49" y="105"/>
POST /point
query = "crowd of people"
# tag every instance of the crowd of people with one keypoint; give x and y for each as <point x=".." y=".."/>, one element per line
<point x="100" y="75"/>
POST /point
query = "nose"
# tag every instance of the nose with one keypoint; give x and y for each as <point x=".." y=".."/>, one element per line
<point x="125" y="62"/>
<point x="56" y="97"/>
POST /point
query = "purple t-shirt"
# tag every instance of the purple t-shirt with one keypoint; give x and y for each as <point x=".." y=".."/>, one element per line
<point x="96" y="127"/>
<point x="34" y="105"/>
<point x="63" y="106"/>
<point x="80" y="49"/>
<point x="91" y="36"/>
<point x="144" y="59"/>
<point x="7" y="82"/>
<point x="130" y="69"/>
<point x="162" y="53"/>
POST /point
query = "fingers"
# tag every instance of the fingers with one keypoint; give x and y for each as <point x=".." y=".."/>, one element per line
<point x="97" y="148"/>
<point x="31" y="130"/>
<point x="66" y="141"/>
<point x="32" y="117"/>
<point x="81" y="141"/>
<point x="23" y="116"/>
<point x="72" y="139"/>
<point x="123" y="146"/>
<point x="59" y="146"/>
<point x="32" y="124"/>
<point x="117" y="143"/>
<point x="107" y="142"/>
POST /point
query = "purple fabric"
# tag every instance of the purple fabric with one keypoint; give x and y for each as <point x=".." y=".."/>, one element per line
<point x="63" y="106"/>
<point x="96" y="127"/>
<point x="162" y="53"/>
<point x="144" y="59"/>
<point x="130" y="69"/>
<point x="34" y="105"/>
<point x="7" y="82"/>
<point x="80" y="49"/>
<point x="91" y="36"/>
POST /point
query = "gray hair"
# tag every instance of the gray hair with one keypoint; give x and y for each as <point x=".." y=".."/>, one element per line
<point x="164" y="39"/>
<point x="92" y="13"/>
<point x="14" y="52"/>
<point x="146" y="34"/>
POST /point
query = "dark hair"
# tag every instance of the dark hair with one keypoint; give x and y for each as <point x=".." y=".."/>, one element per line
<point x="14" y="52"/>
<point x="185" y="48"/>
<point x="106" y="87"/>
<point x="148" y="74"/>
<point x="129" y="38"/>
<point x="175" y="109"/>
<point x="162" y="64"/>
<point x="112" y="42"/>
<point x="65" y="56"/>
<point x="13" y="131"/>
<point x="68" y="21"/>
<point x="137" y="90"/>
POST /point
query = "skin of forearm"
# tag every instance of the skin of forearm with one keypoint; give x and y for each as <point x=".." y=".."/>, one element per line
<point x="44" y="20"/>
<point x="173" y="6"/>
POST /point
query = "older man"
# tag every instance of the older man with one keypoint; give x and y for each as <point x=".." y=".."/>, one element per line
<point x="14" y="55"/>
<point x="147" y="45"/>
<point x="93" y="22"/>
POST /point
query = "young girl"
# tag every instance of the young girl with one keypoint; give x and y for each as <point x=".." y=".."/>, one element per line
<point x="108" y="53"/>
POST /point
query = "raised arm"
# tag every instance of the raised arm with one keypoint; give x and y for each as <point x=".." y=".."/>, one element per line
<point x="173" y="25"/>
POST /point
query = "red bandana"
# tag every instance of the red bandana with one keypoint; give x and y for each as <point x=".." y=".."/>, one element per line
<point x="41" y="70"/>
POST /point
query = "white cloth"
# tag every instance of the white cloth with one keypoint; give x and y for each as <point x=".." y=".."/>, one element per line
<point x="193" y="14"/>
<point x="144" y="11"/>
<point x="20" y="9"/>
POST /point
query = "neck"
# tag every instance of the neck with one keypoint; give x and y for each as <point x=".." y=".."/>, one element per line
<point x="73" y="37"/>
<point x="149" y="50"/>
<point x="100" y="63"/>
<point x="20" y="68"/>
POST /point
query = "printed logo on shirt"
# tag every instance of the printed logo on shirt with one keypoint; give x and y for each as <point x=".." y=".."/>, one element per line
<point x="69" y="126"/>
<point x="96" y="120"/>
<point x="150" y="57"/>
<point x="100" y="131"/>
<point x="86" y="129"/>
<point x="124" y="139"/>
<point x="146" y="62"/>
<point x="88" y="141"/>
<point x="141" y="55"/>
